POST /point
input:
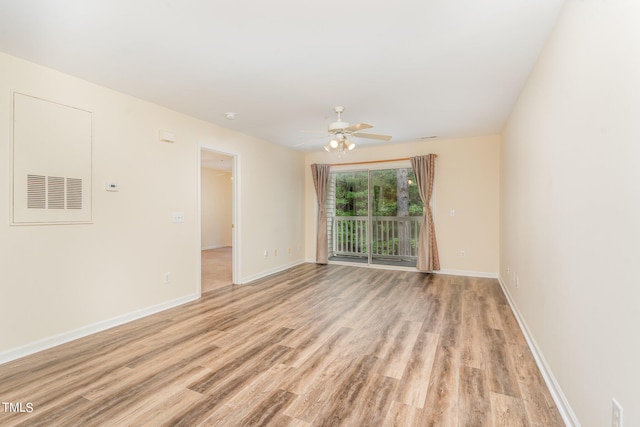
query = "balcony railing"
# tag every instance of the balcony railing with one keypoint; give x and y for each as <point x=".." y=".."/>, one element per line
<point x="391" y="236"/>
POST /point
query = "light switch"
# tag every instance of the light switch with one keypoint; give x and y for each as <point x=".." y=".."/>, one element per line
<point x="178" y="217"/>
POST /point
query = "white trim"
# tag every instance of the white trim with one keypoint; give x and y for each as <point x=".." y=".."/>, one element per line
<point x="236" y="235"/>
<point x="376" y="266"/>
<point x="266" y="273"/>
<point x="567" y="414"/>
<point x="199" y="222"/>
<point x="53" y="341"/>
<point x="206" y="248"/>
<point x="468" y="273"/>
<point x="403" y="268"/>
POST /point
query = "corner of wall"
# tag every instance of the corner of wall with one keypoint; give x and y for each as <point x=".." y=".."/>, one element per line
<point x="567" y="414"/>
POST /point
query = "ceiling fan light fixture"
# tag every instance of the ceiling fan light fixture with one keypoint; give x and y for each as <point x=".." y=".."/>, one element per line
<point x="341" y="131"/>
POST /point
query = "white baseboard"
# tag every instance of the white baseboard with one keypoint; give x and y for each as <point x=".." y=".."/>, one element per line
<point x="567" y="414"/>
<point x="46" y="343"/>
<point x="465" y="273"/>
<point x="468" y="273"/>
<point x="376" y="266"/>
<point x="266" y="273"/>
<point x="206" y="248"/>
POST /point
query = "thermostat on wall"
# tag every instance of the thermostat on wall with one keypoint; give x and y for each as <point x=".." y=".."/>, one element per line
<point x="112" y="186"/>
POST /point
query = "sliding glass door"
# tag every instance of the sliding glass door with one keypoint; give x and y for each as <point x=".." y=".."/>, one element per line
<point x="373" y="216"/>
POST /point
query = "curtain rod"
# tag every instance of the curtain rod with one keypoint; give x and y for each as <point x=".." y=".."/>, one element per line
<point x="372" y="161"/>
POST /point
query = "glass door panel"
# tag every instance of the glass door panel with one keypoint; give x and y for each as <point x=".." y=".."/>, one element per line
<point x="396" y="213"/>
<point x="348" y="216"/>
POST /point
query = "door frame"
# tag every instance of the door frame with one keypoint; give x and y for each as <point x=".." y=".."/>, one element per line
<point x="235" y="213"/>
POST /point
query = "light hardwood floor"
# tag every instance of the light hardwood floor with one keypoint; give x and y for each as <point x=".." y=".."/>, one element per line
<point x="216" y="268"/>
<point x="311" y="346"/>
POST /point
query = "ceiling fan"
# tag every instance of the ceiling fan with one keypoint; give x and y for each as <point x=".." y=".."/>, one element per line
<point x="341" y="130"/>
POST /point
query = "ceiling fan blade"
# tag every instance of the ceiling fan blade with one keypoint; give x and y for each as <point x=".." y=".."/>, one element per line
<point x="373" y="136"/>
<point x="356" y="128"/>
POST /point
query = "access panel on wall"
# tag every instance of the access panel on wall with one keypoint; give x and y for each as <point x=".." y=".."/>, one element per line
<point x="51" y="162"/>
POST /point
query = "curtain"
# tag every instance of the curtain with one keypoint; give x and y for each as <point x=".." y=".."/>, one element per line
<point x="321" y="181"/>
<point x="424" y="169"/>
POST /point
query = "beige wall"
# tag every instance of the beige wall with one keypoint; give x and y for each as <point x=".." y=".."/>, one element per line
<point x="467" y="180"/>
<point x="570" y="214"/>
<point x="59" y="279"/>
<point x="216" y="207"/>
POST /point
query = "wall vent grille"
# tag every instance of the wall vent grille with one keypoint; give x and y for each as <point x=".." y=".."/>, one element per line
<point x="74" y="193"/>
<point x="53" y="192"/>
<point x="36" y="192"/>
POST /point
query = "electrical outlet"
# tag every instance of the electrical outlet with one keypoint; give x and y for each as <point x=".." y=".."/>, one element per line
<point x="463" y="253"/>
<point x="167" y="277"/>
<point x="616" y="414"/>
<point x="266" y="254"/>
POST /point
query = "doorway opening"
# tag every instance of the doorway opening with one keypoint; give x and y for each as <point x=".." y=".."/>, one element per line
<point x="374" y="216"/>
<point x="218" y="243"/>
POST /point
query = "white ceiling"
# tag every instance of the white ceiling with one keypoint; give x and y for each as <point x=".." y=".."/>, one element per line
<point x="412" y="68"/>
